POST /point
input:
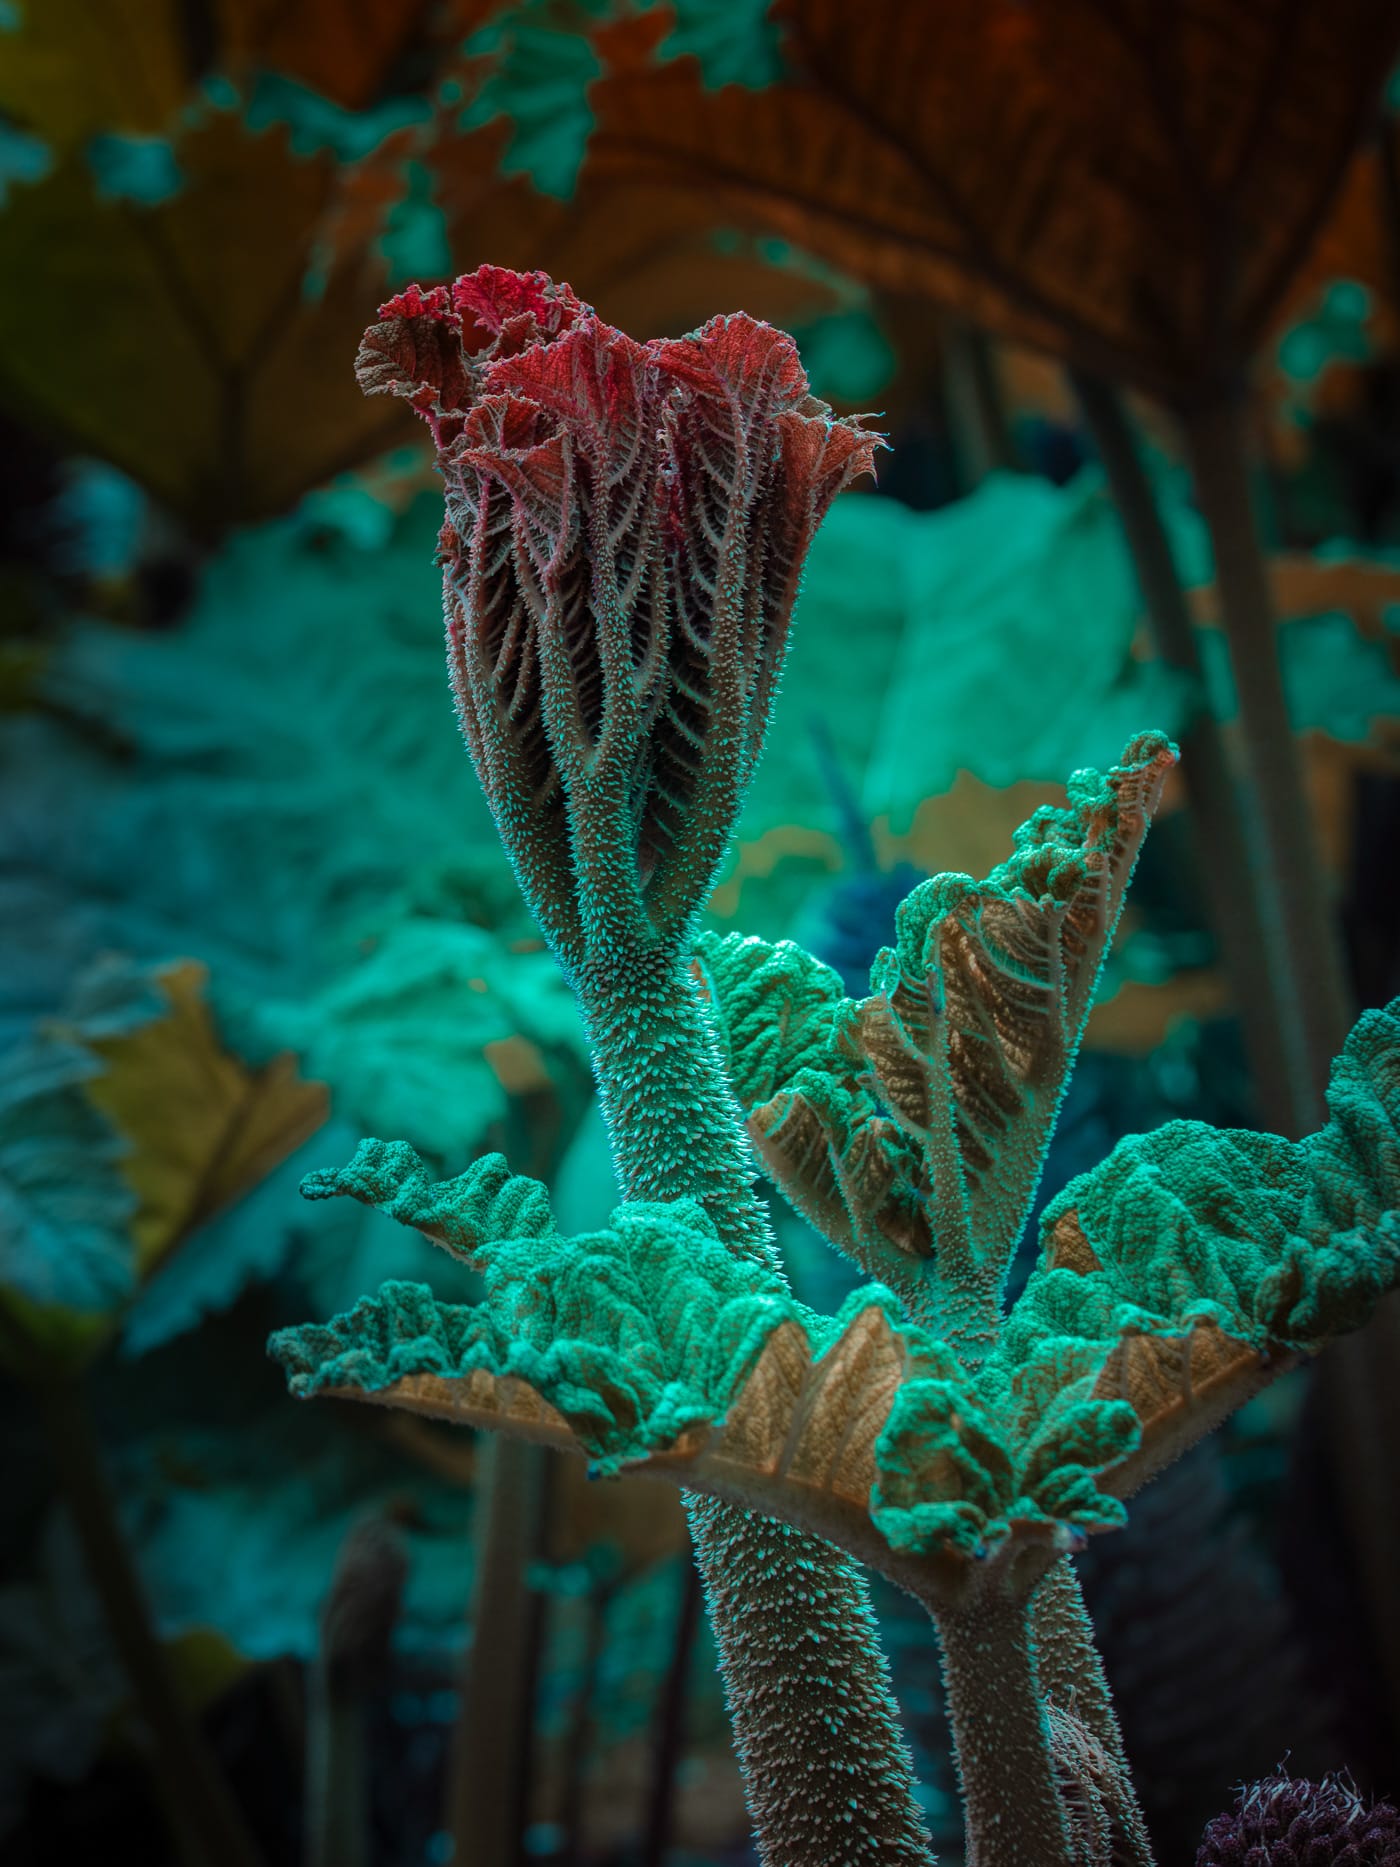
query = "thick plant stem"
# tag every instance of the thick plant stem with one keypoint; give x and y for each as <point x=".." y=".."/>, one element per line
<point x="1069" y="1672"/>
<point x="828" y="1776"/>
<point x="1067" y="1660"/>
<point x="1001" y="1736"/>
<point x="207" y="1821"/>
<point x="1241" y="911"/>
<point x="491" y="1745"/>
<point x="670" y="1722"/>
<point x="976" y="412"/>
<point x="350" y="1667"/>
<point x="337" y="1780"/>
<point x="1303" y="951"/>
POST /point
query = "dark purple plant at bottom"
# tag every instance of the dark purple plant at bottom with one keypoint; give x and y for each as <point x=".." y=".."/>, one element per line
<point x="1287" y="1821"/>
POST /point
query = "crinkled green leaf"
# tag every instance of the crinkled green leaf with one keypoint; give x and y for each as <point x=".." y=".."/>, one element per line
<point x="1192" y="1256"/>
<point x="64" y="1207"/>
<point x="267" y="739"/>
<point x="317" y="763"/>
<point x="775" y="1008"/>
<point x="950" y="1473"/>
<point x="68" y="1258"/>
<point x="649" y="1341"/>
<point x="910" y="1127"/>
<point x="634" y="1334"/>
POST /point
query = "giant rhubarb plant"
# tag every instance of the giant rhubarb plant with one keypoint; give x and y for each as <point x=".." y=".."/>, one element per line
<point x="625" y="528"/>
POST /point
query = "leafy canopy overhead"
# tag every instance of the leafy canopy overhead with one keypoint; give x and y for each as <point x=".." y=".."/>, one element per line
<point x="233" y="290"/>
<point x="1131" y="186"/>
<point x="207" y="336"/>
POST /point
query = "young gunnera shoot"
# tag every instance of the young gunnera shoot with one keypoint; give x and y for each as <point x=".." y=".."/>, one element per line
<point x="625" y="529"/>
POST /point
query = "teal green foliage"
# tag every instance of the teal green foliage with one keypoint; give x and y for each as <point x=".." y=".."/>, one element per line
<point x="23" y="158"/>
<point x="542" y="62"/>
<point x="956" y="608"/>
<point x="922" y="1115"/>
<point x="634" y="1334"/>
<point x="950" y="605"/>
<point x="414" y="241"/>
<point x="1280" y="1244"/>
<point x="257" y="743"/>
<point x="542" y="65"/>
<point x="463" y="1215"/>
<point x="314" y="122"/>
<point x="238" y="1531"/>
<point x="1337" y="681"/>
<point x="135" y="168"/>
<point x="776" y="1009"/>
<point x="250" y="1242"/>
<point x="64" y="1207"/>
<point x="847" y="357"/>
<point x="736" y="43"/>
<point x="1338" y="330"/>
<point x="1039" y="1466"/>
<point x="404" y="1036"/>
<point x="641" y="1332"/>
<point x="279" y="790"/>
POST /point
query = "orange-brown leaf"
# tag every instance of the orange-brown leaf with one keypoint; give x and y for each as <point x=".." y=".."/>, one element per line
<point x="202" y="1126"/>
<point x="643" y="256"/>
<point x="70" y="69"/>
<point x="341" y="48"/>
<point x="73" y="68"/>
<point x="179" y="342"/>
<point x="1130" y="185"/>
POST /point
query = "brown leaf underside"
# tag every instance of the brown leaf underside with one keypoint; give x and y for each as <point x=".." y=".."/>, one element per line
<point x="1129" y="185"/>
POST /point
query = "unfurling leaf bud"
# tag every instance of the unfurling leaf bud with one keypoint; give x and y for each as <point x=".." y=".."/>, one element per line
<point x="626" y="526"/>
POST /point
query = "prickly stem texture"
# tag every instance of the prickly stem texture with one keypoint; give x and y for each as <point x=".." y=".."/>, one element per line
<point x="672" y="1117"/>
<point x="827" y="1773"/>
<point x="1067" y="1661"/>
<point x="1002" y="1736"/>
<point x="1070" y="1674"/>
<point x="816" y="1727"/>
<point x="625" y="529"/>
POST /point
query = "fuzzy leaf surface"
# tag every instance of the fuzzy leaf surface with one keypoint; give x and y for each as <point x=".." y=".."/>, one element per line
<point x="1194" y="1260"/>
<point x="649" y="1346"/>
<point x="912" y="1125"/>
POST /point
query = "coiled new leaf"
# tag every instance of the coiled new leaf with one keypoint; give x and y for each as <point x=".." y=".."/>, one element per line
<point x="910" y="1127"/>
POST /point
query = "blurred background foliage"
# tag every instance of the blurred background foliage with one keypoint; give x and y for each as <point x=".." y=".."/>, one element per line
<point x="254" y="907"/>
